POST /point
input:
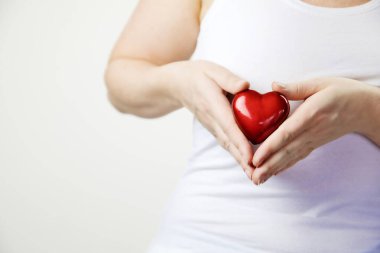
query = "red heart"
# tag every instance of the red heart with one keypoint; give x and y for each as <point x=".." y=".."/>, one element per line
<point x="259" y="115"/>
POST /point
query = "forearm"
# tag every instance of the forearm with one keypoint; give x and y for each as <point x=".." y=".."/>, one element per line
<point x="140" y="88"/>
<point x="371" y="124"/>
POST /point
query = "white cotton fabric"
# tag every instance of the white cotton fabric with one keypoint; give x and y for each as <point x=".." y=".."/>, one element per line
<point x="328" y="202"/>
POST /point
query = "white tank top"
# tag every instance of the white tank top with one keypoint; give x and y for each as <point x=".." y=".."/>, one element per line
<point x="328" y="202"/>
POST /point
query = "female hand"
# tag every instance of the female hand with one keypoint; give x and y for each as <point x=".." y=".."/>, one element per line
<point x="333" y="108"/>
<point x="201" y="86"/>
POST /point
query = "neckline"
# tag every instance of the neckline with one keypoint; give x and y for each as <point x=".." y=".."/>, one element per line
<point x="301" y="5"/>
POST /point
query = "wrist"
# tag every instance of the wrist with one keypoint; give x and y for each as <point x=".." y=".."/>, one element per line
<point x="173" y="78"/>
<point x="370" y="113"/>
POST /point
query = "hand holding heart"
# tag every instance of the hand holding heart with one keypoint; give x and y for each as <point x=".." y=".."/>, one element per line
<point x="201" y="87"/>
<point x="332" y="108"/>
<point x="257" y="115"/>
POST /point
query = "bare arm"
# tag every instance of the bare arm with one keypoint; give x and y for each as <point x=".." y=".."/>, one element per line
<point x="159" y="32"/>
<point x="149" y="73"/>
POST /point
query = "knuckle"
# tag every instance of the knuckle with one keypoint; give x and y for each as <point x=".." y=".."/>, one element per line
<point x="309" y="150"/>
<point x="226" y="144"/>
<point x="288" y="151"/>
<point x="214" y="133"/>
<point x="304" y="153"/>
<point x="314" y="114"/>
<point x="309" y="145"/>
<point x="321" y="117"/>
<point x="286" y="135"/>
<point x="308" y="113"/>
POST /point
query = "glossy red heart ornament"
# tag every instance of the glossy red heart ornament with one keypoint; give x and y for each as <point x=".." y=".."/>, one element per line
<point x="259" y="115"/>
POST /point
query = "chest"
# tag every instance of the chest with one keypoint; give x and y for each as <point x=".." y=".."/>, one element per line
<point x="269" y="40"/>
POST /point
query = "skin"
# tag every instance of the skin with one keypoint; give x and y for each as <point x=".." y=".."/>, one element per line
<point x="149" y="75"/>
<point x="333" y="107"/>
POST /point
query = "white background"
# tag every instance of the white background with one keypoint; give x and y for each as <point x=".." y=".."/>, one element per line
<point x="76" y="175"/>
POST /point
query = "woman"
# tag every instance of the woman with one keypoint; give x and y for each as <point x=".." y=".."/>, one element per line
<point x="324" y="56"/>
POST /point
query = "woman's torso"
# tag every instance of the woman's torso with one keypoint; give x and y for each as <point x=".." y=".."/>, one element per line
<point x="328" y="202"/>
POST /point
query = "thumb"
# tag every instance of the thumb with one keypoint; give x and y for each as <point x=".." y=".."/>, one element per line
<point x="298" y="90"/>
<point x="227" y="80"/>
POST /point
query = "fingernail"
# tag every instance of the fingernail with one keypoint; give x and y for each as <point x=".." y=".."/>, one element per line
<point x="242" y="82"/>
<point x="259" y="158"/>
<point x="281" y="85"/>
<point x="266" y="177"/>
<point x="262" y="179"/>
<point x="249" y="177"/>
<point x="257" y="162"/>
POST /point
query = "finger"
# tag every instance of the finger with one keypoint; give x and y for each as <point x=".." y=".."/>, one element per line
<point x="205" y="114"/>
<point x="246" y="168"/>
<point x="229" y="146"/>
<point x="302" y="155"/>
<point x="213" y="127"/>
<point x="244" y="154"/>
<point x="295" y="151"/>
<point x="227" y="80"/>
<point x="287" y="131"/>
<point x="303" y="146"/>
<point x="266" y="170"/>
<point x="223" y="114"/>
<point x="300" y="90"/>
<point x="288" y="165"/>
